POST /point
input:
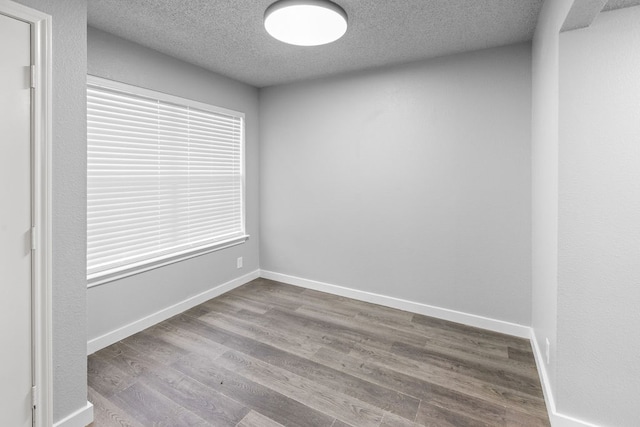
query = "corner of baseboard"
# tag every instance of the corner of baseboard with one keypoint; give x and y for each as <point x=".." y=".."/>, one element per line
<point x="80" y="418"/>
<point x="556" y="418"/>
<point x="125" y="331"/>
<point x="495" y="325"/>
<point x="544" y="377"/>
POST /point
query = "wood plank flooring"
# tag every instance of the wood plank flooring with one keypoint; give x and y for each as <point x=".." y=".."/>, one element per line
<point x="269" y="354"/>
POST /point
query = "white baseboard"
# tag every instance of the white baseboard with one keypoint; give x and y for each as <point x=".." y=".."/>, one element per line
<point x="402" y="304"/>
<point x="123" y="332"/>
<point x="556" y="418"/>
<point x="80" y="418"/>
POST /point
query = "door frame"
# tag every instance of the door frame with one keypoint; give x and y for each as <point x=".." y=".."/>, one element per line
<point x="41" y="137"/>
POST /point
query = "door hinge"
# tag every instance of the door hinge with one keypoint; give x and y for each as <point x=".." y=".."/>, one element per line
<point x="34" y="400"/>
<point x="34" y="238"/>
<point x="33" y="76"/>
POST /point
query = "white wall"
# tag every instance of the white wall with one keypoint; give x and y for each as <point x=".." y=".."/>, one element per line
<point x="119" y="303"/>
<point x="544" y="170"/>
<point x="69" y="203"/>
<point x="598" y="376"/>
<point x="411" y="181"/>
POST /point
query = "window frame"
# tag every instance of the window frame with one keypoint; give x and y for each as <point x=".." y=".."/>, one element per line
<point x="138" y="267"/>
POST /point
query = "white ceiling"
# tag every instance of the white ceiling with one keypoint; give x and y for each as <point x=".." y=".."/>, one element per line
<point x="228" y="37"/>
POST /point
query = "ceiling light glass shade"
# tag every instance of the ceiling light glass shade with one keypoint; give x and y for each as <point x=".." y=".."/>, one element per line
<point x="305" y="23"/>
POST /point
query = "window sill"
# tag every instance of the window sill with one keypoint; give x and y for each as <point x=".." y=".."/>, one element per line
<point x="131" y="270"/>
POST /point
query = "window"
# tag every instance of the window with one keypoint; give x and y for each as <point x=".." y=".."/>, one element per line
<point x="165" y="179"/>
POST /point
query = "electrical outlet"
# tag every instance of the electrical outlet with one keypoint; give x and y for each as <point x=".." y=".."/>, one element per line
<point x="547" y="349"/>
<point x="239" y="262"/>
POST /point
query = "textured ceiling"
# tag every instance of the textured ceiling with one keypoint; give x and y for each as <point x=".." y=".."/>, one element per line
<point x="619" y="4"/>
<point x="228" y="37"/>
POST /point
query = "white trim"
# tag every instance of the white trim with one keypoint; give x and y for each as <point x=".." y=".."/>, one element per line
<point x="157" y="95"/>
<point x="41" y="111"/>
<point x="80" y="418"/>
<point x="402" y="304"/>
<point x="556" y="418"/>
<point x="151" y="264"/>
<point x="116" y="335"/>
<point x="24" y="13"/>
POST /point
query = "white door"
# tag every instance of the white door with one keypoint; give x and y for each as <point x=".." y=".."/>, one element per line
<point x="15" y="223"/>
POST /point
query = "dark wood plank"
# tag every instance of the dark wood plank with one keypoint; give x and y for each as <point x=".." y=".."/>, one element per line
<point x="470" y="331"/>
<point x="150" y="407"/>
<point x="255" y="419"/>
<point x="460" y="341"/>
<point x="468" y="352"/>
<point x="105" y="378"/>
<point x="268" y="402"/>
<point x="184" y="391"/>
<point x="363" y="390"/>
<point x="373" y="329"/>
<point x="492" y="374"/>
<point x="330" y="329"/>
<point x="210" y="405"/>
<point x="107" y="414"/>
<point x="110" y="351"/>
<point x="516" y="418"/>
<point x="293" y="329"/>
<point x="237" y="301"/>
<point x="277" y="337"/>
<point x="340" y="381"/>
<point x="357" y="307"/>
<point x="432" y="415"/>
<point x="275" y="300"/>
<point x="449" y="337"/>
<point x="311" y="393"/>
<point x="271" y="286"/>
<point x="391" y="420"/>
<point x="186" y="340"/>
<point x="525" y="356"/>
<point x="469" y="406"/>
<point x="453" y="380"/>
<point x="211" y="333"/>
<point x="315" y="299"/>
<point x="156" y="348"/>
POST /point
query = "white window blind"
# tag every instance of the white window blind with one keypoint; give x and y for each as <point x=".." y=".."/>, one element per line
<point x="164" y="178"/>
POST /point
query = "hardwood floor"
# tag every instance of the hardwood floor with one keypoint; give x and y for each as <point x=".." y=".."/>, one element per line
<point x="269" y="354"/>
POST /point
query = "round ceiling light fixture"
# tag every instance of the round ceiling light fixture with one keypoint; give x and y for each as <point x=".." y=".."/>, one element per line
<point x="305" y="22"/>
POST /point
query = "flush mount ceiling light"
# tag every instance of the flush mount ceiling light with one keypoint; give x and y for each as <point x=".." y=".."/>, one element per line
<point x="305" y="22"/>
